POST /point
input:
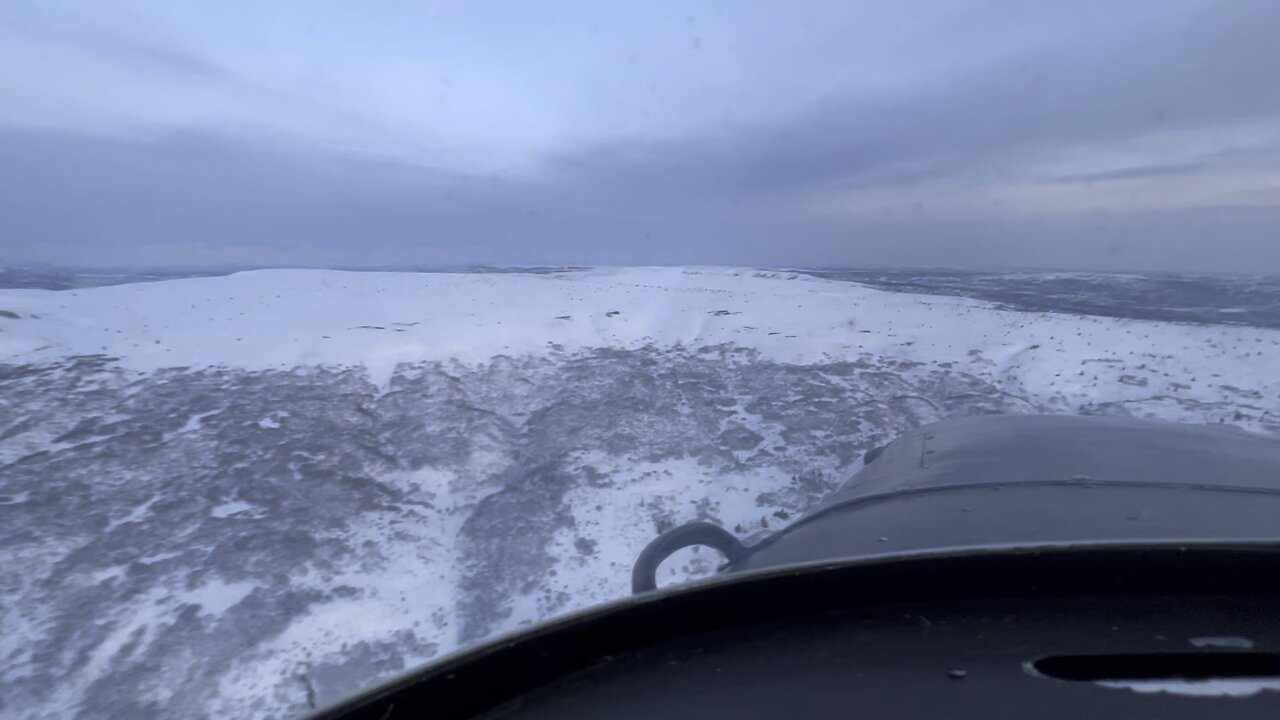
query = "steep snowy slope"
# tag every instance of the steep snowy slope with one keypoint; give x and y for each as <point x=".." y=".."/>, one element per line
<point x="252" y="494"/>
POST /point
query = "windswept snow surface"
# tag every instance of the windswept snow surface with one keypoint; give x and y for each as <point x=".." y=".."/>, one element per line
<point x="254" y="494"/>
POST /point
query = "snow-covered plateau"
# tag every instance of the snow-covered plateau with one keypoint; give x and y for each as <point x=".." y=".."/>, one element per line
<point x="251" y="495"/>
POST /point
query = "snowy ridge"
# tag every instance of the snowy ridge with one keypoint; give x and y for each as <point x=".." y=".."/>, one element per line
<point x="253" y="494"/>
<point x="270" y="319"/>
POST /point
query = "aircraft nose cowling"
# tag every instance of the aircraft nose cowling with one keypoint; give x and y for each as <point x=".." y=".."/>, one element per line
<point x="1032" y="481"/>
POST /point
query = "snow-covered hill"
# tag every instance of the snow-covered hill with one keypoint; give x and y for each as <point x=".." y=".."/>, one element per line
<point x="253" y="494"/>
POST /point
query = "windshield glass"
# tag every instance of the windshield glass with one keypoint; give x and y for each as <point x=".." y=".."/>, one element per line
<point x="339" y="337"/>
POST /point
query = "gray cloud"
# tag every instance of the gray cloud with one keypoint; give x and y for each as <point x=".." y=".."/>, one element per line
<point x="1129" y="173"/>
<point x="1223" y="66"/>
<point x="732" y="195"/>
<point x="190" y="200"/>
<point x="132" y="51"/>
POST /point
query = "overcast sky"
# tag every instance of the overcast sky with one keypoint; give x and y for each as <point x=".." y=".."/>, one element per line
<point x="1101" y="134"/>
